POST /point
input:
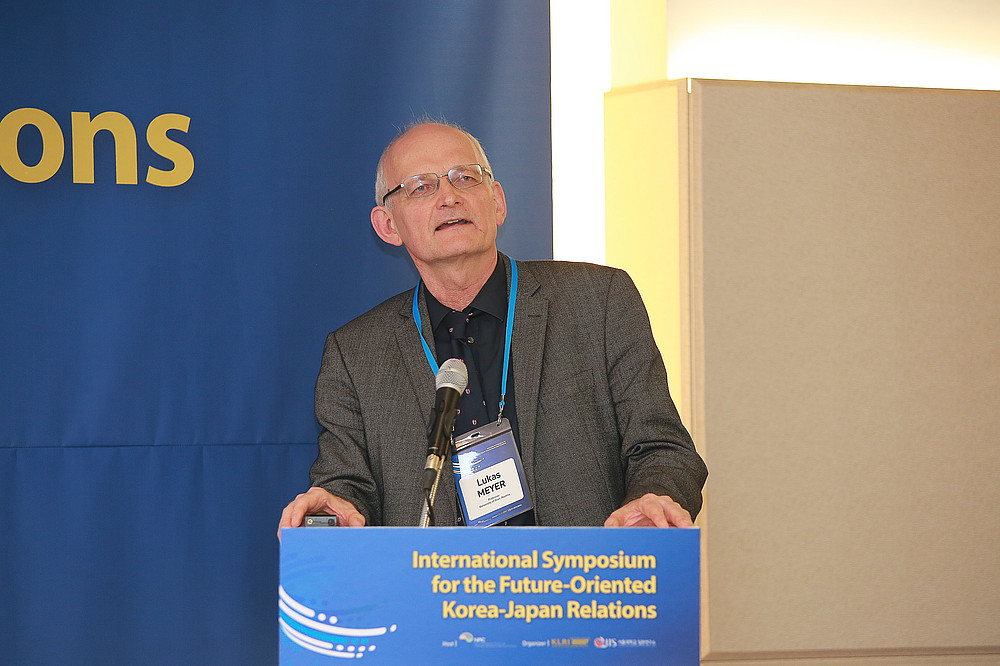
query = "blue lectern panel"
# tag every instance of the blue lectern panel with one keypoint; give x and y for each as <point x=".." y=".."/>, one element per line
<point x="496" y="596"/>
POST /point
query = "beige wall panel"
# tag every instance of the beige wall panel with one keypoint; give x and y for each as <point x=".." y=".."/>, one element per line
<point x="846" y="257"/>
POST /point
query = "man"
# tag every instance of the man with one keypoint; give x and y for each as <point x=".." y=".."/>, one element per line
<point x="599" y="436"/>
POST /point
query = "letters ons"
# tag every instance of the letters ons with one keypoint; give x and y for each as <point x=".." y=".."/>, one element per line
<point x="83" y="130"/>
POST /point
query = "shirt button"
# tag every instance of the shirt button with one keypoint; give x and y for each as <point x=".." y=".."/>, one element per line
<point x="470" y="340"/>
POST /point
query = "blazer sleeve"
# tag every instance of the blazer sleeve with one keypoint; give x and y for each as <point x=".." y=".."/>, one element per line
<point x="342" y="465"/>
<point x="657" y="453"/>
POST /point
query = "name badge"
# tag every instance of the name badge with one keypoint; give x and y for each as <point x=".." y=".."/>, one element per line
<point x="489" y="475"/>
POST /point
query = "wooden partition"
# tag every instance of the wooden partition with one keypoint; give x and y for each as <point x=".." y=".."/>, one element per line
<point x="839" y="253"/>
<point x="843" y="248"/>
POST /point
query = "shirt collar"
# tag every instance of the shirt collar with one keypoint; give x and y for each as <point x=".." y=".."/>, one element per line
<point x="491" y="299"/>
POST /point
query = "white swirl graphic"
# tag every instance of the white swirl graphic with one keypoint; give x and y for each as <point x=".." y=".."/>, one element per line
<point x="320" y="633"/>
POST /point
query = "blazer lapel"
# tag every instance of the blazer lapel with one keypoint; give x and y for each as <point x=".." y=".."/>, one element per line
<point x="530" y="319"/>
<point x="422" y="382"/>
<point x="417" y="368"/>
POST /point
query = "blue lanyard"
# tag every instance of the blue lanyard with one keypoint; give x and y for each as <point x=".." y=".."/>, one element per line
<point x="506" y="345"/>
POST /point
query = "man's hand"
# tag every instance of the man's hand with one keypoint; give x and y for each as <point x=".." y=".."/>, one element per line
<point x="650" y="511"/>
<point x="318" y="502"/>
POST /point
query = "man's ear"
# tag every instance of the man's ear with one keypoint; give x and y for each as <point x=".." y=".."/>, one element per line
<point x="384" y="227"/>
<point x="501" y="203"/>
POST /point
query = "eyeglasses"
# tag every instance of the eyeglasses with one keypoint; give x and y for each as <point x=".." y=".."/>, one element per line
<point x="461" y="177"/>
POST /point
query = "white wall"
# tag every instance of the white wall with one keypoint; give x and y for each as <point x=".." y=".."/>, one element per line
<point x="924" y="43"/>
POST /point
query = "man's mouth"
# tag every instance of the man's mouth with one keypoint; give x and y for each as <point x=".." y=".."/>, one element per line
<point x="452" y="223"/>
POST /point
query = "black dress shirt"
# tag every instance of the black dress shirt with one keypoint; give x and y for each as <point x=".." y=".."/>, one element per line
<point x="487" y="330"/>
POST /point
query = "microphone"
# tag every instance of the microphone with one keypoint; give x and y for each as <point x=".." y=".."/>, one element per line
<point x="450" y="381"/>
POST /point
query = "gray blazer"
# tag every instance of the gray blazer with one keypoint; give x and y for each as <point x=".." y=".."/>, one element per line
<point x="597" y="425"/>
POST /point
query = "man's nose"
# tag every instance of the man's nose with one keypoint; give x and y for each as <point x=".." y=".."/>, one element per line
<point x="448" y="194"/>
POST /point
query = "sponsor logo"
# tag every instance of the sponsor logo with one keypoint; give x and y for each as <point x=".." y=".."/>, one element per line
<point x="604" y="642"/>
<point x="466" y="637"/>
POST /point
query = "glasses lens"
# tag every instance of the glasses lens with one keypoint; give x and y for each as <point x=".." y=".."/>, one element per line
<point x="421" y="185"/>
<point x="425" y="184"/>
<point x="467" y="175"/>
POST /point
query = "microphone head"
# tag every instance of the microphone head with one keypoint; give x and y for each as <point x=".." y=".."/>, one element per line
<point x="452" y="374"/>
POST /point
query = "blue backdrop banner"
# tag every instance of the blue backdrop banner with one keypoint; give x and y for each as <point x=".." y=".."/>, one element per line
<point x="185" y="191"/>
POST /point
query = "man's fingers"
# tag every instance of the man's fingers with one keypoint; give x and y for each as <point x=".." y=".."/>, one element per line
<point x="654" y="510"/>
<point x="317" y="501"/>
<point x="291" y="515"/>
<point x="678" y="515"/>
<point x="344" y="510"/>
<point x="288" y="518"/>
<point x="355" y="519"/>
<point x="650" y="511"/>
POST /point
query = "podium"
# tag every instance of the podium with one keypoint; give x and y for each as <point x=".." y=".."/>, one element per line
<point x="510" y="595"/>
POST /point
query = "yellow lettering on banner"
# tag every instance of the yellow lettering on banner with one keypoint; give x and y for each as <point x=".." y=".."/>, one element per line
<point x="156" y="136"/>
<point x="53" y="146"/>
<point x="451" y="610"/>
<point x="529" y="612"/>
<point x="615" y="610"/>
<point x="126" y="152"/>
